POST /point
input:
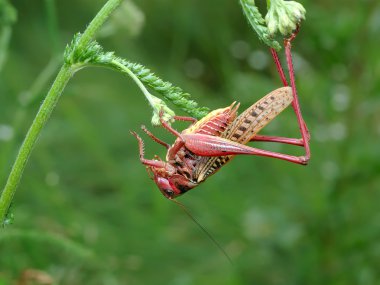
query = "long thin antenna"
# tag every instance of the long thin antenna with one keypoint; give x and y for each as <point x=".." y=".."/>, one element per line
<point x="203" y="229"/>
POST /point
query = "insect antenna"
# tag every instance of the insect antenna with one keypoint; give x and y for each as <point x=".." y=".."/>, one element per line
<point x="203" y="229"/>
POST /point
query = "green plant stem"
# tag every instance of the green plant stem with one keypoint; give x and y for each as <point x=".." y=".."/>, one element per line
<point x="39" y="122"/>
<point x="97" y="22"/>
<point x="147" y="95"/>
<point x="47" y="108"/>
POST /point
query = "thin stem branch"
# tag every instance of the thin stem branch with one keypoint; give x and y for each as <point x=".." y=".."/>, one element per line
<point x="97" y="22"/>
<point x="26" y="148"/>
<point x="148" y="96"/>
<point x="47" y="108"/>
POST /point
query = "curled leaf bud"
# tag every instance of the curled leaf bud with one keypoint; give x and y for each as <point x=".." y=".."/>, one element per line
<point x="283" y="16"/>
<point x="160" y="106"/>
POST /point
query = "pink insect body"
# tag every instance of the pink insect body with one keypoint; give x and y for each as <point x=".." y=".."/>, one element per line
<point x="202" y="149"/>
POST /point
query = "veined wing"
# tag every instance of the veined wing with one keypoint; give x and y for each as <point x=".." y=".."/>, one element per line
<point x="245" y="127"/>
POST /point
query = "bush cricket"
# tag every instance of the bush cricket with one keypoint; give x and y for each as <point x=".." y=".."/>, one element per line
<point x="206" y="145"/>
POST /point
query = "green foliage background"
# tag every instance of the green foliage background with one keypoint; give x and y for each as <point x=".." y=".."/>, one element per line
<point x="86" y="211"/>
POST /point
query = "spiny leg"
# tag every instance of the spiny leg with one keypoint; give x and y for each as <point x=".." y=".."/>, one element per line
<point x="280" y="70"/>
<point x="276" y="59"/>
<point x="178" y="144"/>
<point x="285" y="140"/>
<point x="304" y="141"/>
<point x="168" y="127"/>
<point x="206" y="145"/>
<point x="184" y="118"/>
<point x="291" y="158"/>
<point x="154" y="138"/>
<point x="148" y="162"/>
<point x="304" y="131"/>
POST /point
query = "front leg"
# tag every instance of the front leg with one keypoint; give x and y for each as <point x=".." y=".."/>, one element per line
<point x="179" y="143"/>
<point x="185" y="119"/>
<point x="154" y="138"/>
<point x="178" y="118"/>
<point x="148" y="162"/>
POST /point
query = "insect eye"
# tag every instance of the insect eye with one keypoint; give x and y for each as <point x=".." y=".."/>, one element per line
<point x="169" y="192"/>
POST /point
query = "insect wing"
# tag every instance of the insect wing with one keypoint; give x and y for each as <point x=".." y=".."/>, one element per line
<point x="245" y="127"/>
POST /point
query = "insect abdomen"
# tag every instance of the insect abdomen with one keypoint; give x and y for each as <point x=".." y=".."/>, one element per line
<point x="215" y="123"/>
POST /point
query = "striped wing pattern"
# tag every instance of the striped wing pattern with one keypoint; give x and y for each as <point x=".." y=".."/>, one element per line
<point x="245" y="127"/>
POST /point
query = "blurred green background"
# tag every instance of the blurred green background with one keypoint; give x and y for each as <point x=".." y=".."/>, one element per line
<point x="86" y="211"/>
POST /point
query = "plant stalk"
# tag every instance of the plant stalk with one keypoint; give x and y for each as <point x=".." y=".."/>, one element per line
<point x="97" y="22"/>
<point x="47" y="108"/>
<point x="31" y="137"/>
<point x="142" y="87"/>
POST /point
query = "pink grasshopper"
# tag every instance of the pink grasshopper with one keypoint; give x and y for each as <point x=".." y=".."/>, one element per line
<point x="202" y="149"/>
